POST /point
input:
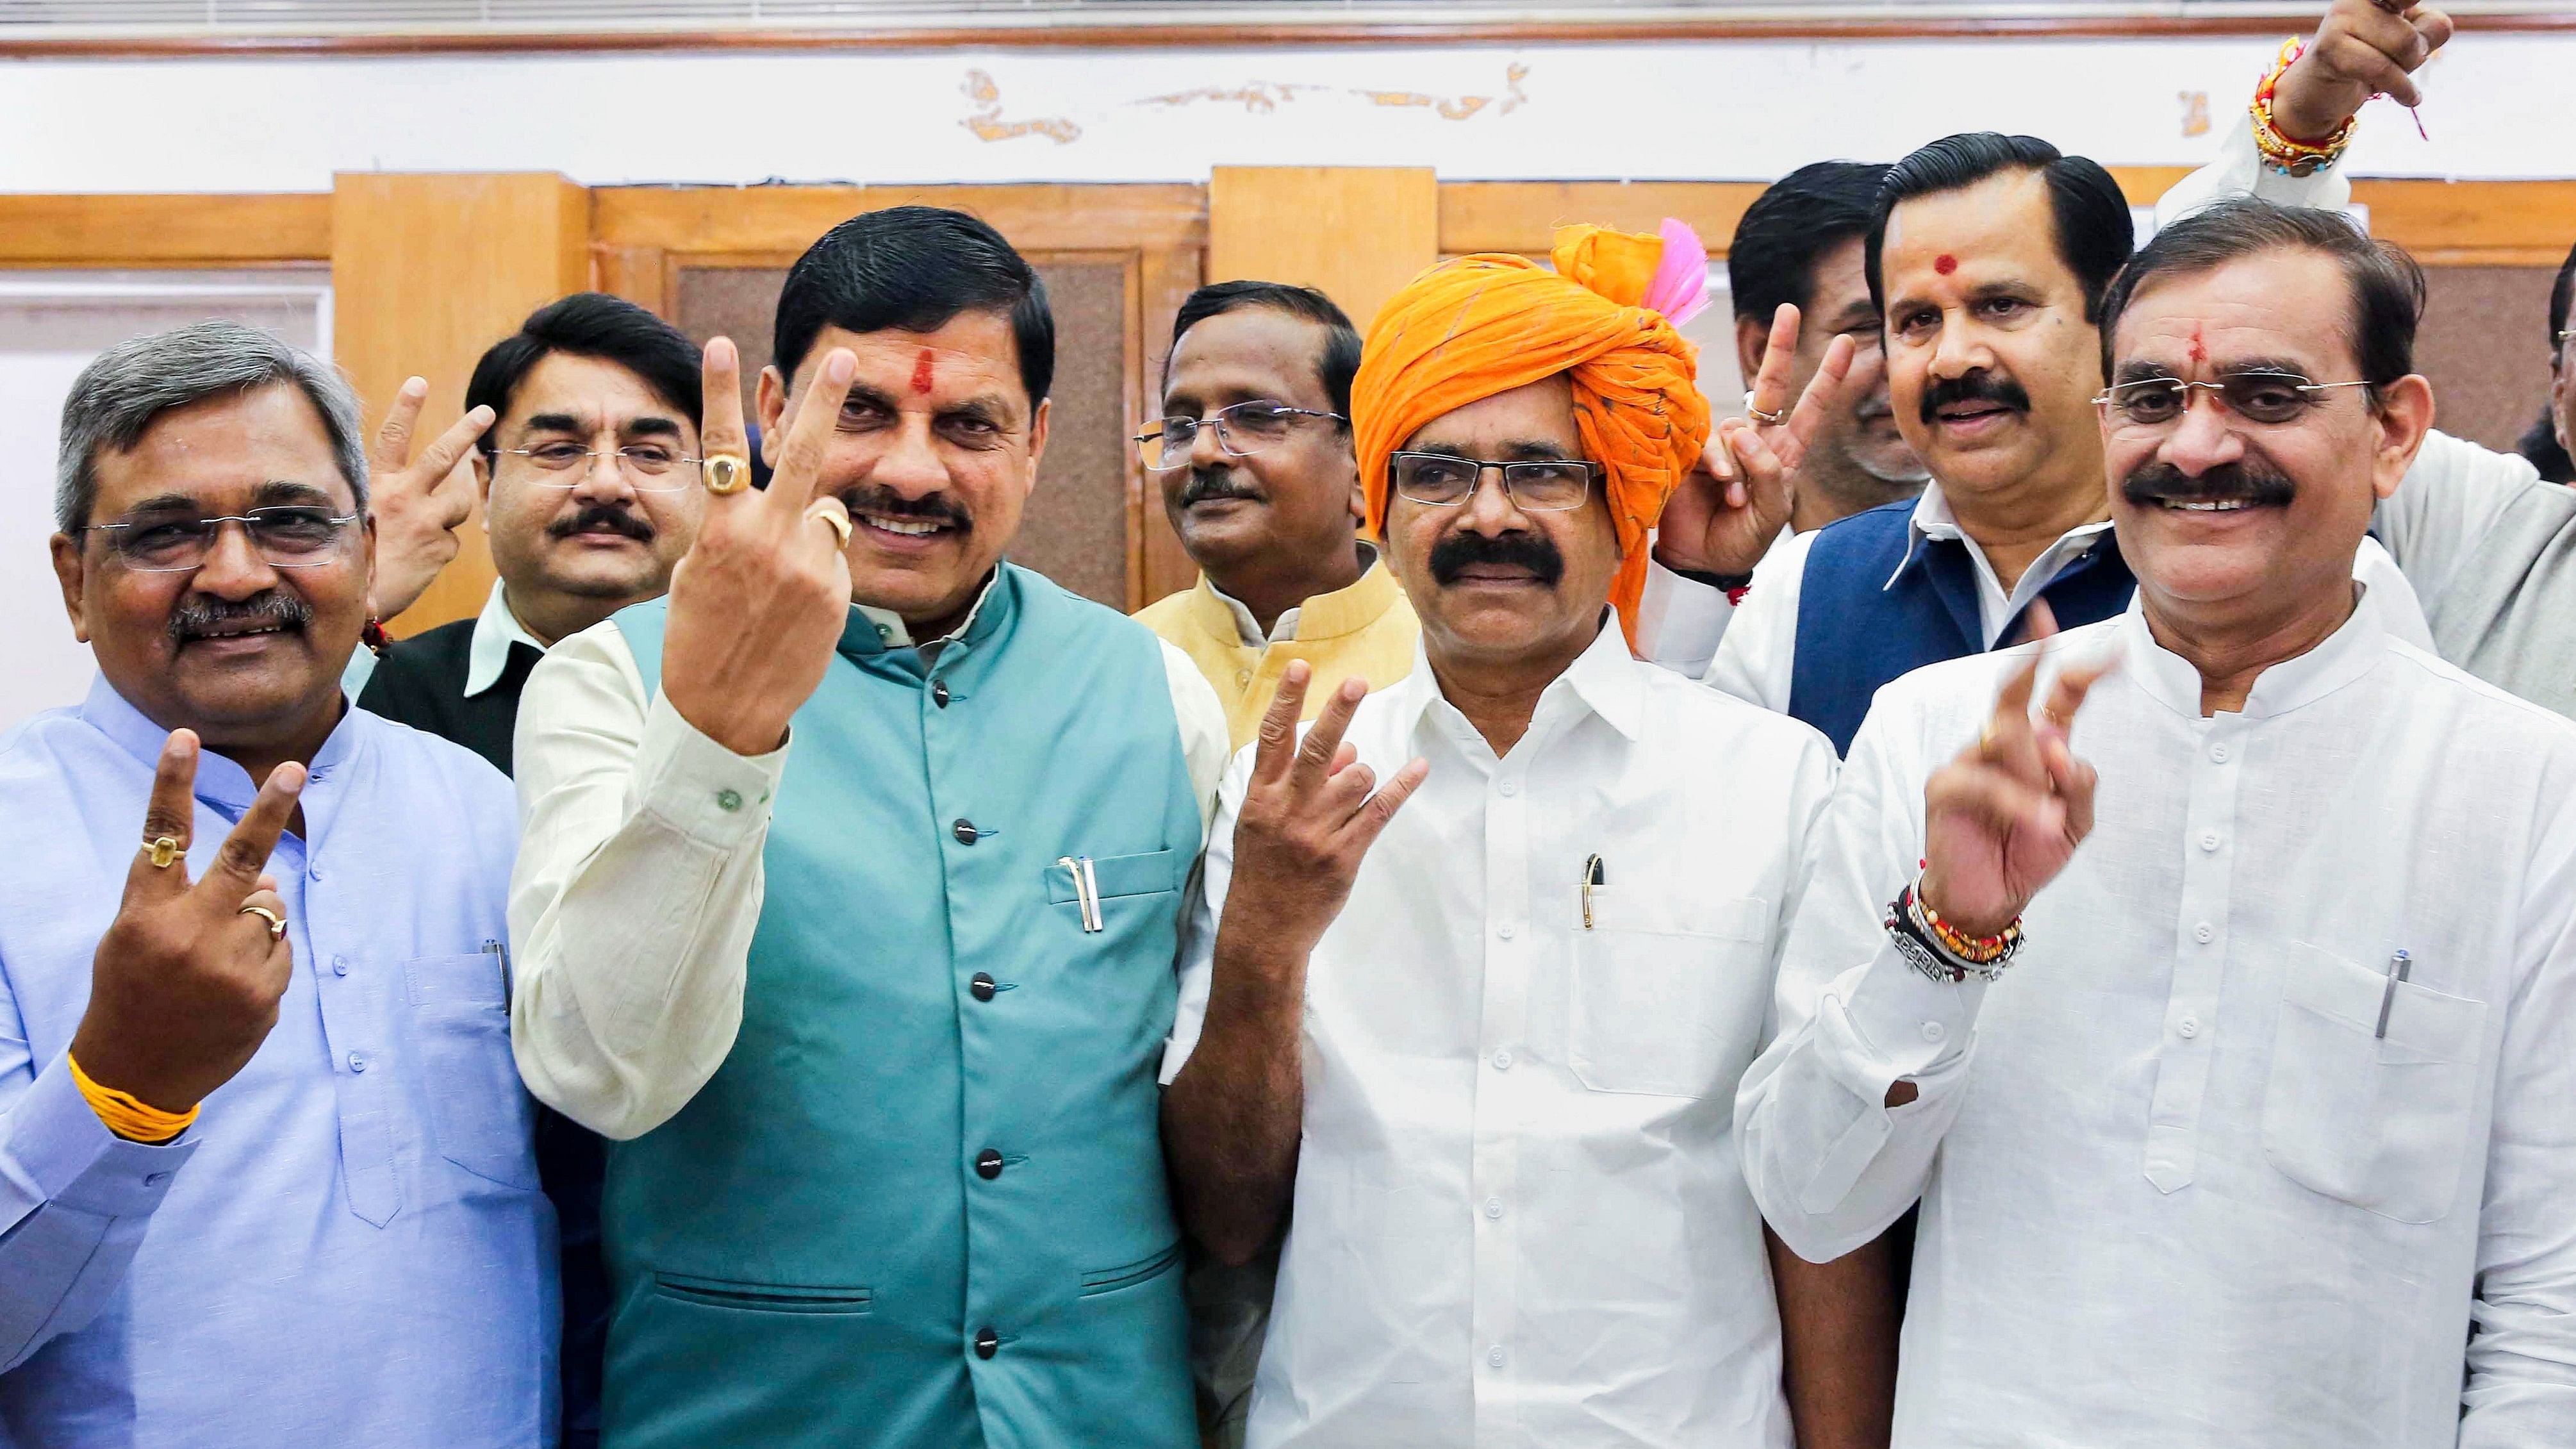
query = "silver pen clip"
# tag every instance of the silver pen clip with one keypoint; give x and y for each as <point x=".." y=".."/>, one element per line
<point x="500" y="951"/>
<point x="1086" y="890"/>
<point x="2400" y="966"/>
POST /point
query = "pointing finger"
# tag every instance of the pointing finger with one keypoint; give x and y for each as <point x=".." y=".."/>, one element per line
<point x="393" y="437"/>
<point x="1779" y="354"/>
<point x="1278" y="738"/>
<point x="800" y="460"/>
<point x="449" y="448"/>
<point x="171" y="815"/>
<point x="1324" y="739"/>
<point x="720" y="402"/>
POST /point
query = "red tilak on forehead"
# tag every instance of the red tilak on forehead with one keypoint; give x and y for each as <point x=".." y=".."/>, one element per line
<point x="921" y="372"/>
<point x="1945" y="264"/>
<point x="2199" y="353"/>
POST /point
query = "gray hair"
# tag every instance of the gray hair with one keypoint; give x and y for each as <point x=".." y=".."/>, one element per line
<point x="117" y="396"/>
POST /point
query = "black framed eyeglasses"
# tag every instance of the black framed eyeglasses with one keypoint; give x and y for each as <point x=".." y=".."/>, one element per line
<point x="1444" y="480"/>
<point x="650" y="467"/>
<point x="1241" y="430"/>
<point x="2270" y="398"/>
<point x="285" y="537"/>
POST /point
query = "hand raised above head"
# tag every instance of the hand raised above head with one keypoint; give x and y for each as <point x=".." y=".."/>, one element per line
<point x="1731" y="508"/>
<point x="185" y="983"/>
<point x="1309" y="815"/>
<point x="758" y="605"/>
<point x="2002" y="819"/>
<point x="418" y="504"/>
<point x="2361" y="49"/>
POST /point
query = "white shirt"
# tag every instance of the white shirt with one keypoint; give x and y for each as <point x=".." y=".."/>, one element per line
<point x="2176" y="1189"/>
<point x="1248" y="628"/>
<point x="1518" y="1218"/>
<point x="487" y="652"/>
<point x="639" y="879"/>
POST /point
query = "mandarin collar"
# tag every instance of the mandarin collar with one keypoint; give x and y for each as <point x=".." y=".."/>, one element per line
<point x="220" y="782"/>
<point x="2344" y="656"/>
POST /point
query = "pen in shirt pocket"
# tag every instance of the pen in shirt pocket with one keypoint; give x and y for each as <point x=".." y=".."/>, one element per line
<point x="1593" y="876"/>
<point x="2400" y="966"/>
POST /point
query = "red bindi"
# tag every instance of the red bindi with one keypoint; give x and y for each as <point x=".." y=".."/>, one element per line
<point x="921" y="372"/>
<point x="2199" y="353"/>
<point x="1945" y="264"/>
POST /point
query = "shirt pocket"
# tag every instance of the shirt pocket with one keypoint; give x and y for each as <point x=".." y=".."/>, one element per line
<point x="1650" y="989"/>
<point x="1120" y="877"/>
<point x="460" y="1026"/>
<point x="2377" y="1122"/>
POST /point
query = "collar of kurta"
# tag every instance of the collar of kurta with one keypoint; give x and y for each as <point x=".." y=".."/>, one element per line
<point x="2346" y="655"/>
<point x="1343" y="612"/>
<point x="220" y="783"/>
<point x="872" y="631"/>
<point x="1604" y="679"/>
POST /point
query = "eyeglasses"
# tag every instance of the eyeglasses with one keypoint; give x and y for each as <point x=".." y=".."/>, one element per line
<point x="1444" y="481"/>
<point x="2270" y="398"/>
<point x="285" y="538"/>
<point x="650" y="467"/>
<point x="1241" y="430"/>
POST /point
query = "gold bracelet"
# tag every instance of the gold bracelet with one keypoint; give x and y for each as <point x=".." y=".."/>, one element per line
<point x="127" y="1115"/>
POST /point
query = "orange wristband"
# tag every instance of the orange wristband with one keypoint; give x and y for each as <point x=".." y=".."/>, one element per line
<point x="125" y="1114"/>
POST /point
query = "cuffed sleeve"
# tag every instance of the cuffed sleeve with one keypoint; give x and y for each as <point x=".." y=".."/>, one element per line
<point x="74" y="1201"/>
<point x="1680" y="621"/>
<point x="638" y="888"/>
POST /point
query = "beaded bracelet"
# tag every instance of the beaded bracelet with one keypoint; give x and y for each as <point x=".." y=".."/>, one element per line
<point x="1939" y="950"/>
<point x="2281" y="151"/>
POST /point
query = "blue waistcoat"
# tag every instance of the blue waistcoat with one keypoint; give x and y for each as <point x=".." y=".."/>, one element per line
<point x="1867" y="612"/>
<point x="921" y="1205"/>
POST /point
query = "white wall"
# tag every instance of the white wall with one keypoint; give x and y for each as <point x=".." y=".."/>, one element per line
<point x="51" y="325"/>
<point x="2502" y="106"/>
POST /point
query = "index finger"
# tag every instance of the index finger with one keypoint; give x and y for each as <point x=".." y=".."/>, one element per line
<point x="393" y="437"/>
<point x="170" y="815"/>
<point x="442" y="455"/>
<point x="720" y="402"/>
<point x="1324" y="737"/>
<point x="800" y="461"/>
<point x="1824" y="392"/>
<point x="1779" y="353"/>
<point x="1278" y="736"/>
<point x="246" y="850"/>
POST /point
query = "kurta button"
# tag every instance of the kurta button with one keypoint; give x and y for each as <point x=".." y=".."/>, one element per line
<point x="982" y="986"/>
<point x="964" y="830"/>
<point x="988" y="1164"/>
<point x="987" y="1343"/>
<point x="939" y="693"/>
<point x="1243" y="676"/>
<point x="728" y="800"/>
<point x="339" y="965"/>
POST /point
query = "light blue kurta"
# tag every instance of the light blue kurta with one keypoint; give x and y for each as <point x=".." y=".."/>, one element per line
<point x="809" y="1254"/>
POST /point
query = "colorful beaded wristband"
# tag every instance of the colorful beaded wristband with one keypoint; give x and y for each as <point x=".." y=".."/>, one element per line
<point x="2281" y="151"/>
<point x="125" y="1114"/>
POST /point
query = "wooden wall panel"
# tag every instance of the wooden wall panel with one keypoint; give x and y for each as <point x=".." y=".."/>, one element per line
<point x="1357" y="233"/>
<point x="164" y="231"/>
<point x="428" y="271"/>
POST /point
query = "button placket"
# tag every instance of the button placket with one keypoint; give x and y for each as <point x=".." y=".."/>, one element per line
<point x="1513" y="952"/>
<point x="2186" y="1048"/>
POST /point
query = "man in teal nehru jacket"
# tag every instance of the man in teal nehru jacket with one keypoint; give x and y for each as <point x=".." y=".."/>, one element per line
<point x="847" y="904"/>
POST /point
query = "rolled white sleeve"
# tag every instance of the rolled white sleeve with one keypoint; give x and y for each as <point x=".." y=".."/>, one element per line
<point x="2522" y="1359"/>
<point x="2238" y="170"/>
<point x="1830" y="1164"/>
<point x="637" y="890"/>
<point x="1755" y="660"/>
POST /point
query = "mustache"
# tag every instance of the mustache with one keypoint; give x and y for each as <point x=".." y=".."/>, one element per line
<point x="198" y="615"/>
<point x="614" y="517"/>
<point x="933" y="508"/>
<point x="1977" y="386"/>
<point x="1454" y="554"/>
<point x="1207" y="483"/>
<point x="2258" y="484"/>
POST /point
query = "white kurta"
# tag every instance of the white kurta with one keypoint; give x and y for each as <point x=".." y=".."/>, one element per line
<point x="2177" y="1188"/>
<point x="1519" y="1219"/>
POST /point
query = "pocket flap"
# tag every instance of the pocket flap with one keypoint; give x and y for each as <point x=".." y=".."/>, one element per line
<point x="1119" y="875"/>
<point x="1629" y="908"/>
<point x="473" y="981"/>
<point x="763" y="1297"/>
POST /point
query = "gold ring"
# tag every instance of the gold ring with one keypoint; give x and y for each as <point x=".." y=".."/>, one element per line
<point x="1768" y="420"/>
<point x="276" y="922"/>
<point x="1986" y="738"/>
<point x="727" y="473"/>
<point x="835" y="514"/>
<point x="163" y="851"/>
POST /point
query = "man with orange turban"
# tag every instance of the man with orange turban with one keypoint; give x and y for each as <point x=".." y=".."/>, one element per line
<point x="1474" y="1033"/>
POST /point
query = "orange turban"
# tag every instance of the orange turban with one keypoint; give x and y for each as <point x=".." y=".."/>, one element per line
<point x="1476" y="326"/>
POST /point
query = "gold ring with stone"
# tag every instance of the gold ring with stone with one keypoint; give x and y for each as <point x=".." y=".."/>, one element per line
<point x="835" y="515"/>
<point x="276" y="922"/>
<point x="163" y="851"/>
<point x="727" y="473"/>
<point x="1768" y="420"/>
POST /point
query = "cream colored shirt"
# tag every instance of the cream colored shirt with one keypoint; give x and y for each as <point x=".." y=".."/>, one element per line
<point x="639" y="879"/>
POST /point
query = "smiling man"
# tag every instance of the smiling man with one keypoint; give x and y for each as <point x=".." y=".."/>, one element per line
<point x="1254" y="458"/>
<point x="265" y="1175"/>
<point x="2234" y="1089"/>
<point x="849" y="906"/>
<point x="1485" y="1044"/>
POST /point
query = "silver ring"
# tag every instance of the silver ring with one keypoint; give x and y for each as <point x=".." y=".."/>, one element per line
<point x="1768" y="420"/>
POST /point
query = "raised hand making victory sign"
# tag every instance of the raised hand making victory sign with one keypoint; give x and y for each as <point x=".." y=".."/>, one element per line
<point x="1726" y="515"/>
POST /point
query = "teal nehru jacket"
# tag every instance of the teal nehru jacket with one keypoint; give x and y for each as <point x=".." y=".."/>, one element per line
<point x="922" y="1202"/>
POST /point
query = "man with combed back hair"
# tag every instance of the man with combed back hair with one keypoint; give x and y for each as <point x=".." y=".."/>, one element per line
<point x="2222" y="1011"/>
<point x="265" y="1178"/>
<point x="1475" y="966"/>
<point x="849" y="901"/>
